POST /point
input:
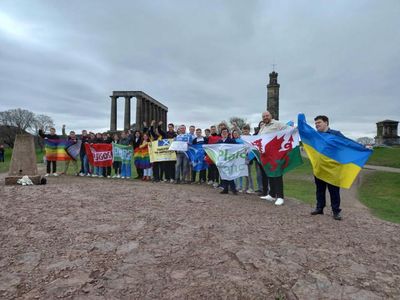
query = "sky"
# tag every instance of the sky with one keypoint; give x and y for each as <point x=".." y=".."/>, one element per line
<point x="205" y="60"/>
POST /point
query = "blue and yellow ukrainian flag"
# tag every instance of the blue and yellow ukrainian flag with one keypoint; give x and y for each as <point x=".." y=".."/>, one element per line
<point x="335" y="159"/>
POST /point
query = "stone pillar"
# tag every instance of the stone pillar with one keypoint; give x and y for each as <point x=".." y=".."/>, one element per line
<point x="139" y="113"/>
<point x="164" y="118"/>
<point x="113" y="123"/>
<point x="158" y="114"/>
<point x="151" y="111"/>
<point x="146" y="111"/>
<point x="127" y="116"/>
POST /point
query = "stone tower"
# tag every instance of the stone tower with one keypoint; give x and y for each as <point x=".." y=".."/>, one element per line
<point x="386" y="133"/>
<point x="273" y="95"/>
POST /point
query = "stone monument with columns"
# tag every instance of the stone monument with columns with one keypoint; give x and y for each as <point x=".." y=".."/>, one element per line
<point x="386" y="133"/>
<point x="147" y="109"/>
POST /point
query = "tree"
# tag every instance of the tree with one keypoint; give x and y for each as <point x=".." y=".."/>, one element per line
<point x="17" y="121"/>
<point x="22" y="119"/>
<point x="42" y="122"/>
<point x="240" y="122"/>
<point x="365" y="140"/>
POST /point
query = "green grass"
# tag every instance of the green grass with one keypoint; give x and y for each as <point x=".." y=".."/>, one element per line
<point x="380" y="191"/>
<point x="4" y="166"/>
<point x="388" y="157"/>
<point x="299" y="183"/>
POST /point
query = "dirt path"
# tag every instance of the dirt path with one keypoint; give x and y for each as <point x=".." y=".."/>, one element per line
<point x="382" y="168"/>
<point x="87" y="238"/>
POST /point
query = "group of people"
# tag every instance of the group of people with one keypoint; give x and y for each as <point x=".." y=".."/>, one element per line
<point x="181" y="171"/>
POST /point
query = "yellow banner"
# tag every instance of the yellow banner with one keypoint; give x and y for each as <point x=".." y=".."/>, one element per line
<point x="158" y="151"/>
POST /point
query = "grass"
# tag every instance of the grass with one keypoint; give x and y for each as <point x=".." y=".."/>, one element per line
<point x="380" y="191"/>
<point x="388" y="157"/>
<point x="4" y="166"/>
<point x="299" y="183"/>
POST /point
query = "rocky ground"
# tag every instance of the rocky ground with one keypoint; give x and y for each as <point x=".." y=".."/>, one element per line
<point x="87" y="238"/>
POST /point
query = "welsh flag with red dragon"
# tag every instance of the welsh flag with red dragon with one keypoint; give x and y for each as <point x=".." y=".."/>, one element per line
<point x="278" y="152"/>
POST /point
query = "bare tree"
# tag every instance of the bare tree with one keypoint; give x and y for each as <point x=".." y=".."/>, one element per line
<point x="365" y="140"/>
<point x="22" y="119"/>
<point x="42" y="122"/>
<point x="237" y="122"/>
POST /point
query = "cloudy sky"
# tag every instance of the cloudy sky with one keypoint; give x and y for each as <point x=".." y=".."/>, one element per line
<point x="206" y="60"/>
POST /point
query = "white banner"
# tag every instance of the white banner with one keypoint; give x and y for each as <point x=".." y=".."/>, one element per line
<point x="178" y="146"/>
<point x="230" y="159"/>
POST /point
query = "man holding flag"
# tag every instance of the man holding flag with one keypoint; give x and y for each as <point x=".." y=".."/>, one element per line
<point x="336" y="161"/>
<point x="272" y="186"/>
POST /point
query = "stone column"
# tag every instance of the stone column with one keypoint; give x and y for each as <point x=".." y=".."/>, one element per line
<point x="127" y="116"/>
<point x="158" y="119"/>
<point x="113" y="123"/>
<point x="151" y="111"/>
<point x="146" y="111"/>
<point x="139" y="114"/>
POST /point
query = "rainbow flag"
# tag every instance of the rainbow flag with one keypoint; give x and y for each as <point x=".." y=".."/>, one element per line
<point x="142" y="158"/>
<point x="56" y="150"/>
<point x="335" y="159"/>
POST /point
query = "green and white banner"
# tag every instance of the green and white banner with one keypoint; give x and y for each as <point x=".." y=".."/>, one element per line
<point x="230" y="159"/>
<point x="122" y="153"/>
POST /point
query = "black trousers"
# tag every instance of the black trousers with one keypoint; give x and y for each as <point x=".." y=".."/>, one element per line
<point x="213" y="173"/>
<point x="228" y="183"/>
<point x="139" y="172"/>
<point x="107" y="171"/>
<point x="202" y="176"/>
<point x="51" y="164"/>
<point x="117" y="167"/>
<point x="334" y="192"/>
<point x="170" y="170"/>
<point x="156" y="171"/>
<point x="272" y="186"/>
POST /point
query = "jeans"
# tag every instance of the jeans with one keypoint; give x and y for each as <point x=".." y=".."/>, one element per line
<point x="126" y="170"/>
<point x="84" y="164"/>
<point x="182" y="166"/>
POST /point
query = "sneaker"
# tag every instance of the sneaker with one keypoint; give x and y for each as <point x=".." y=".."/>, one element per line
<point x="108" y="176"/>
<point x="122" y="177"/>
<point x="47" y="174"/>
<point x="337" y="216"/>
<point x="55" y="174"/>
<point x="114" y="176"/>
<point x="210" y="182"/>
<point x="172" y="181"/>
<point x="240" y="191"/>
<point x="81" y="174"/>
<point x="118" y="176"/>
<point x="268" y="198"/>
<point x="215" y="184"/>
<point x="279" y="201"/>
<point x="249" y="191"/>
<point x="317" y="212"/>
<point x="88" y="175"/>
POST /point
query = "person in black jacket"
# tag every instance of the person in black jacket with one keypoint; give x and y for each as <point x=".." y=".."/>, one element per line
<point x="225" y="139"/>
<point x="83" y="156"/>
<point x="168" y="166"/>
<point x="107" y="140"/>
<point x="1" y="153"/>
<point x="51" y="167"/>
